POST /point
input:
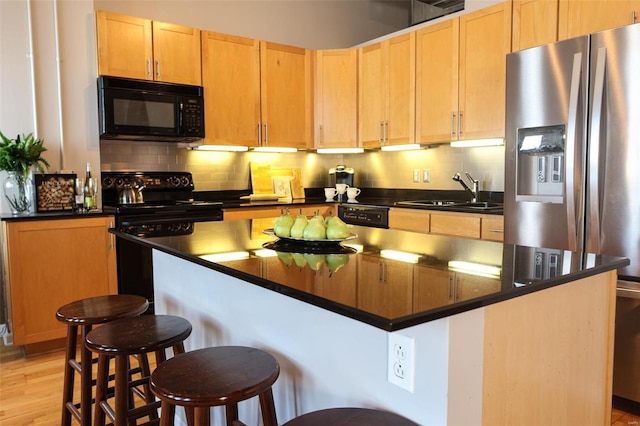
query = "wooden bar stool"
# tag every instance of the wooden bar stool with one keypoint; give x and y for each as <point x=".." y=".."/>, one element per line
<point x="222" y="375"/>
<point x="121" y="339"/>
<point x="350" y="417"/>
<point x="84" y="314"/>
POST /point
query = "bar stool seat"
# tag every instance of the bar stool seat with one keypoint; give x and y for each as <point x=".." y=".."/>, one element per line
<point x="215" y="376"/>
<point x="85" y="314"/>
<point x="120" y="339"/>
<point x="350" y="417"/>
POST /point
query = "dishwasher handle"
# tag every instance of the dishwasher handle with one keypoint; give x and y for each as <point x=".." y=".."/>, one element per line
<point x="628" y="289"/>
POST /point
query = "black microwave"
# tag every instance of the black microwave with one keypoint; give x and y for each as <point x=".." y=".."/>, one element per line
<point x="148" y="110"/>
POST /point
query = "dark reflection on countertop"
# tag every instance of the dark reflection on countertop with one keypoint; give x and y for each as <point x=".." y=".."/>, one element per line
<point x="391" y="279"/>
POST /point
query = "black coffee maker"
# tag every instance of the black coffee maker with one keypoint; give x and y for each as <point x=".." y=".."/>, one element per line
<point x="340" y="174"/>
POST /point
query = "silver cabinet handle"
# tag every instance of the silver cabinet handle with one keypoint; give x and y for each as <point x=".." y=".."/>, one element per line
<point x="259" y="133"/>
<point x="381" y="133"/>
<point x="593" y="211"/>
<point x="459" y="124"/>
<point x="572" y="140"/>
<point x="158" y="68"/>
<point x="149" y="72"/>
<point x="633" y="17"/>
<point x="266" y="133"/>
<point x="452" y="130"/>
<point x="111" y="238"/>
<point x="496" y="230"/>
<point x="386" y="132"/>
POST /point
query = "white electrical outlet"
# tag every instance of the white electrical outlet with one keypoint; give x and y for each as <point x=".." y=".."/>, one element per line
<point x="416" y="175"/>
<point x="426" y="175"/>
<point x="401" y="356"/>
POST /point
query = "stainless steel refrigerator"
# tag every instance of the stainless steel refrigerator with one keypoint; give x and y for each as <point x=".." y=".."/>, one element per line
<point x="572" y="173"/>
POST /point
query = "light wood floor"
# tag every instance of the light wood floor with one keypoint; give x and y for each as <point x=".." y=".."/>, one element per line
<point x="31" y="389"/>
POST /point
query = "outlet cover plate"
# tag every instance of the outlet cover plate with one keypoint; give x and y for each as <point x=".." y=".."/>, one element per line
<point x="401" y="361"/>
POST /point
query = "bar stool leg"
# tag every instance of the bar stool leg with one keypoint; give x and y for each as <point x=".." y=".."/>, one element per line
<point x="231" y="412"/>
<point x="102" y="384"/>
<point x="168" y="412"/>
<point x="85" y="380"/>
<point x="201" y="416"/>
<point x="69" y="374"/>
<point x="122" y="390"/>
<point x="268" y="408"/>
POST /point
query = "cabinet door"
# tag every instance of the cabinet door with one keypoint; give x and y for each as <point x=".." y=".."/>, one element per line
<point x="336" y="98"/>
<point x="231" y="81"/>
<point x="409" y="219"/>
<point x="437" y="82"/>
<point x="579" y="17"/>
<point x="485" y="40"/>
<point x="340" y="285"/>
<point x="431" y="288"/>
<point x="287" y="96"/>
<point x="372" y="86"/>
<point x="125" y="46"/>
<point x="401" y="89"/>
<point x="459" y="225"/>
<point x="52" y="263"/>
<point x="469" y="286"/>
<point x="535" y="22"/>
<point x="176" y="54"/>
<point x="385" y="287"/>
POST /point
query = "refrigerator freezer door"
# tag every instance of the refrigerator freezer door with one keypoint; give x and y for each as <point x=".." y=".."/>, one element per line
<point x="613" y="190"/>
<point x="544" y="197"/>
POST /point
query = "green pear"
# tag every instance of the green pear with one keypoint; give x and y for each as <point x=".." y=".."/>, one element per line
<point x="298" y="226"/>
<point x="282" y="227"/>
<point x="315" y="230"/>
<point x="315" y="261"/>
<point x="336" y="261"/>
<point x="299" y="259"/>
<point x="285" y="257"/>
<point x="337" y="229"/>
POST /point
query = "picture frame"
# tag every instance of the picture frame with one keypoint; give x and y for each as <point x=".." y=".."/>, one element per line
<point x="55" y="192"/>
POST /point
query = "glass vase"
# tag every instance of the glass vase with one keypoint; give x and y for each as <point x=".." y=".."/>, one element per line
<point x="17" y="191"/>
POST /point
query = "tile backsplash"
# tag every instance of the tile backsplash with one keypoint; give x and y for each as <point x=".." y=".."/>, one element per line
<point x="214" y="171"/>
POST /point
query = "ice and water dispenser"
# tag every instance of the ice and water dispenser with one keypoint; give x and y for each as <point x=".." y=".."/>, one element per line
<point x="541" y="164"/>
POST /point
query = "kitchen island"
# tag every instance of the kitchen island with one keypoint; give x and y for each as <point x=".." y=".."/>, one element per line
<point x="502" y="334"/>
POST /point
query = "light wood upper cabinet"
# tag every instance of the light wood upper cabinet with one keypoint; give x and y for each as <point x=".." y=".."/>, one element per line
<point x="460" y="77"/>
<point x="286" y="95"/>
<point x="51" y="263"/>
<point x="231" y="81"/>
<point x="437" y="82"/>
<point x="485" y="40"/>
<point x="578" y="17"/>
<point x="535" y="22"/>
<point x="257" y="93"/>
<point x="139" y="48"/>
<point x="336" y="113"/>
<point x="386" y="85"/>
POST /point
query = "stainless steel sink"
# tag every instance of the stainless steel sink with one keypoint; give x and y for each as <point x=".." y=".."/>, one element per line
<point x="452" y="205"/>
<point x="427" y="203"/>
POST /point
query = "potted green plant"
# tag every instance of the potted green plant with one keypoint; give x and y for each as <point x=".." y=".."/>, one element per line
<point x="18" y="157"/>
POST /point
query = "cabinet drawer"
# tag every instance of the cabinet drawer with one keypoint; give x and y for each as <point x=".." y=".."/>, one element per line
<point x="409" y="220"/>
<point x="493" y="228"/>
<point x="456" y="225"/>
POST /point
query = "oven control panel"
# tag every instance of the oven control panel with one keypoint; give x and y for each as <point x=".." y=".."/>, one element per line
<point x="148" y="180"/>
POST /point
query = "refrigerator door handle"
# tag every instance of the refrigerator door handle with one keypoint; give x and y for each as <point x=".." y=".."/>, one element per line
<point x="574" y="95"/>
<point x="595" y="160"/>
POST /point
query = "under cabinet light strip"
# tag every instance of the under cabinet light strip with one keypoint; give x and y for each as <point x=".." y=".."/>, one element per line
<point x="340" y="150"/>
<point x="273" y="149"/>
<point x="234" y="148"/>
<point x="477" y="142"/>
<point x="406" y="147"/>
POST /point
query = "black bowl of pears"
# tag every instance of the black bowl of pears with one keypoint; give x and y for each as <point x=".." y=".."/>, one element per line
<point x="317" y="233"/>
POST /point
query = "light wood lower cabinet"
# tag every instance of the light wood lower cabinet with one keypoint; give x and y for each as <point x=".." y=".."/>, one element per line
<point x="388" y="292"/>
<point x="435" y="287"/>
<point x="50" y="263"/>
<point x="466" y="225"/>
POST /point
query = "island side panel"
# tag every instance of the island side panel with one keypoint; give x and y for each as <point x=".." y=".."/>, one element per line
<point x="326" y="360"/>
<point x="549" y="355"/>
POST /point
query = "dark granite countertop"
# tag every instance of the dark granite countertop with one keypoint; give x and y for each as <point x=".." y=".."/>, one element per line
<point x="53" y="215"/>
<point x="370" y="286"/>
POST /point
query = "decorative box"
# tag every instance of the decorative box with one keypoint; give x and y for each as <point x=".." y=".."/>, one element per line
<point x="55" y="192"/>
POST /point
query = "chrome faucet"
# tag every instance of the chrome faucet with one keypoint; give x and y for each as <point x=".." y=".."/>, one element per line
<point x="474" y="184"/>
